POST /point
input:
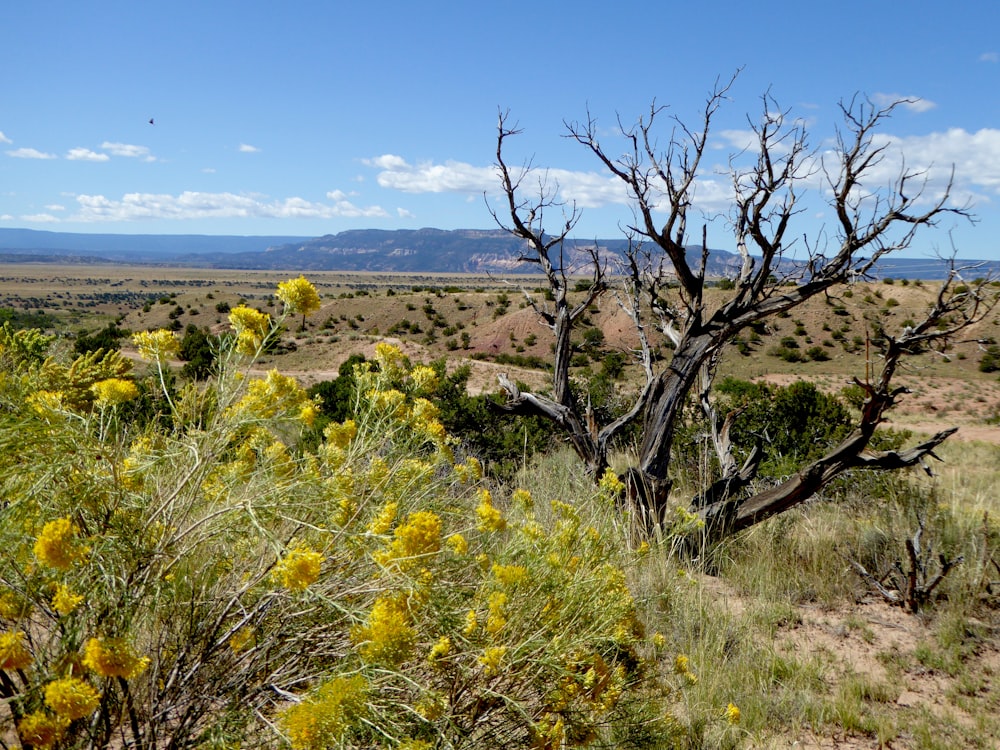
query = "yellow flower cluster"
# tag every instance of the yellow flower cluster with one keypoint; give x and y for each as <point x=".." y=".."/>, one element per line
<point x="510" y="575"/>
<point x="389" y="402"/>
<point x="274" y="396"/>
<point x="683" y="668"/>
<point x="419" y="536"/>
<point x="610" y="485"/>
<point x="391" y="361"/>
<point x="114" y="391"/>
<point x="113" y="657"/>
<point x="522" y="498"/>
<point x="489" y="518"/>
<point x="324" y="717"/>
<point x="251" y="326"/>
<point x="387" y="637"/>
<point x="471" y="623"/>
<point x="497" y="617"/>
<point x="41" y="730"/>
<point x="441" y="649"/>
<point x="458" y="544"/>
<point x="733" y="713"/>
<point x="71" y="698"/>
<point x="384" y="519"/>
<point x="56" y="546"/>
<point x="491" y="659"/>
<point x="64" y="601"/>
<point x="299" y="569"/>
<point x="47" y="401"/>
<point x="470" y="471"/>
<point x="158" y="346"/>
<point x="340" y="434"/>
<point x="423" y="379"/>
<point x="14" y="653"/>
<point x="298" y="296"/>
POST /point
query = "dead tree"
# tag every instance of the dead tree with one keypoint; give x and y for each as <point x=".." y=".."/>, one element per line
<point x="664" y="288"/>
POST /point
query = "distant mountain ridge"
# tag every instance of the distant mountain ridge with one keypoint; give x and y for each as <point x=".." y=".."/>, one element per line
<point x="428" y="250"/>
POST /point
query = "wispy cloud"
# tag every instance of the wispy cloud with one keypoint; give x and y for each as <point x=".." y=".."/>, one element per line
<point x="85" y="154"/>
<point x="990" y="57"/>
<point x="4" y="139"/>
<point x="246" y="148"/>
<point x="128" y="150"/>
<point x="30" y="153"/>
<point x="197" y="205"/>
<point x="39" y="218"/>
<point x="912" y="103"/>
<point x="55" y="207"/>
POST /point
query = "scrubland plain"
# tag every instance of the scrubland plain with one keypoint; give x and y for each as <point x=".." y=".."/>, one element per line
<point x="772" y="639"/>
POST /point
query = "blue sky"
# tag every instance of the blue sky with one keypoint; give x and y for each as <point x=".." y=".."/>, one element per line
<point x="308" y="118"/>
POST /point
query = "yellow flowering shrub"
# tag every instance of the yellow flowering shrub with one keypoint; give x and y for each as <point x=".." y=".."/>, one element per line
<point x="417" y="588"/>
<point x="113" y="657"/>
<point x="458" y="544"/>
<point x="299" y="569"/>
<point x="57" y="546"/>
<point x="41" y="730"/>
<point x="71" y="698"/>
<point x="252" y="328"/>
<point x="491" y="660"/>
<point x="388" y="636"/>
<point x="323" y="718"/>
<point x="158" y="346"/>
<point x="490" y="518"/>
<point x="64" y="601"/>
<point x="114" y="391"/>
<point x="299" y="297"/>
<point x="418" y="537"/>
<point x="340" y="434"/>
<point x="75" y="382"/>
<point x="275" y="395"/>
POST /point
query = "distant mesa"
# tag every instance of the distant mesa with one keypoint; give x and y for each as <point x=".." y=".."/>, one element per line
<point x="474" y="251"/>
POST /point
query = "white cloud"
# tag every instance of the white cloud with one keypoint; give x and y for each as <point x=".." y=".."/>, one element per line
<point x="85" y="154"/>
<point x="6" y="217"/>
<point x="346" y="208"/>
<point x="912" y="103"/>
<point x="208" y="170"/>
<point x="246" y="148"/>
<point x="975" y="157"/>
<point x="387" y="161"/>
<point x="991" y="57"/>
<point x="4" y="139"/>
<point x="197" y="205"/>
<point x="55" y="207"/>
<point x="586" y="189"/>
<point x="39" y="218"/>
<point x="402" y="213"/>
<point x="29" y="153"/>
<point x="128" y="150"/>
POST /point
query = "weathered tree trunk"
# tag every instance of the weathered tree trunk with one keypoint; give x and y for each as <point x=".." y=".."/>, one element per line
<point x="668" y="288"/>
